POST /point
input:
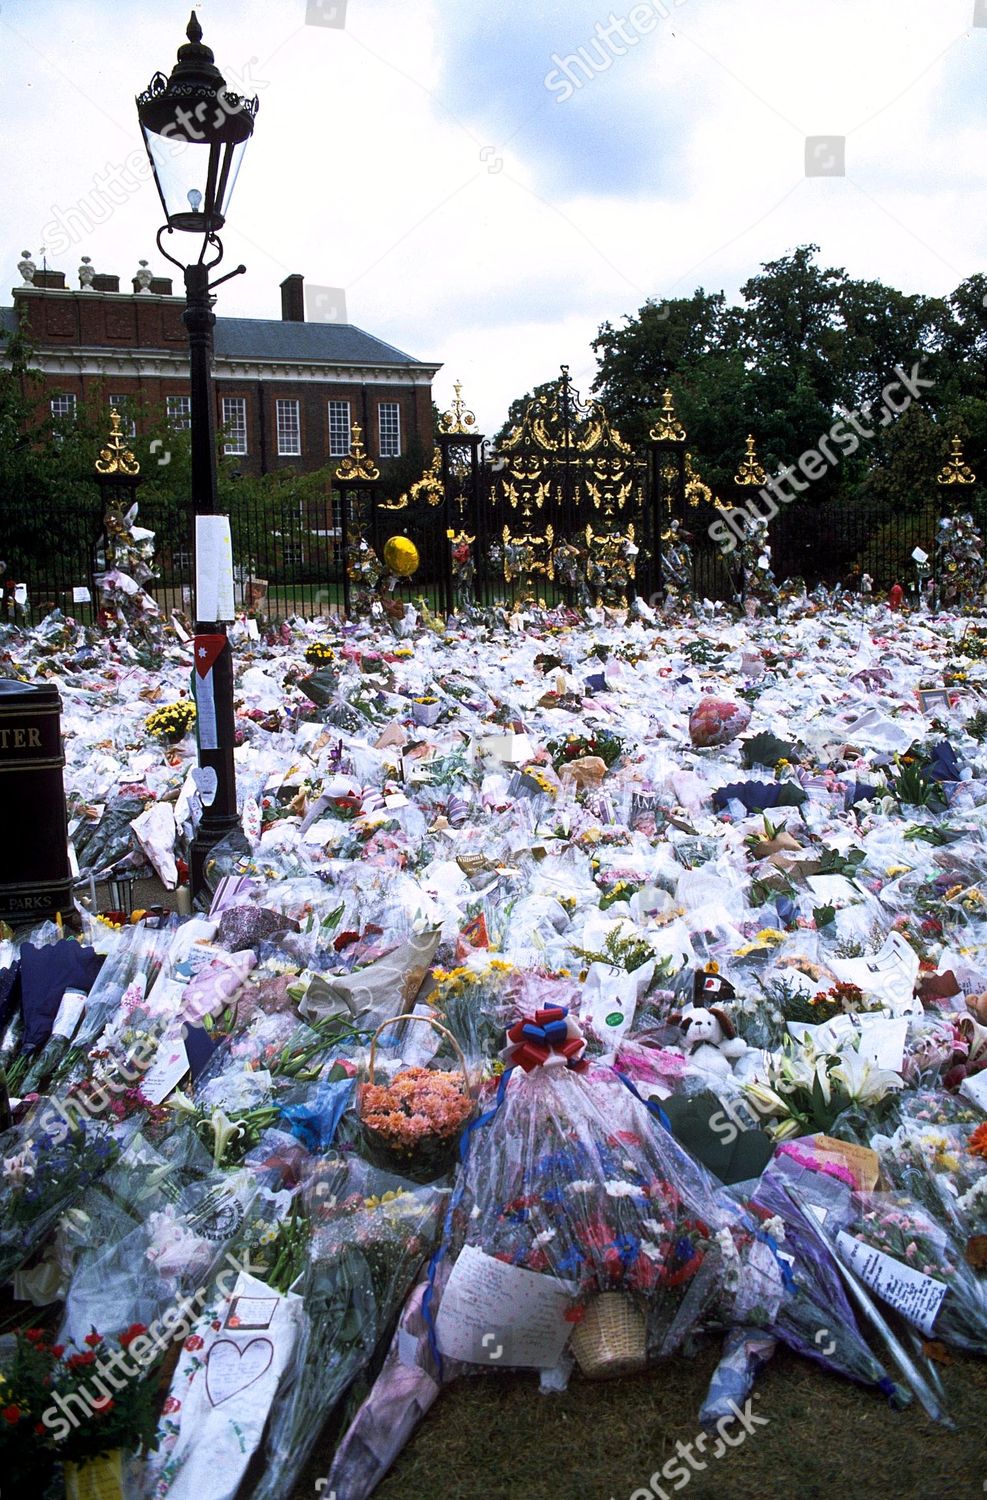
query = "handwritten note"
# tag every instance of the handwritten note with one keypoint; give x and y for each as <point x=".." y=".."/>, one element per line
<point x="214" y="569"/>
<point x="918" y="1298"/>
<point x="166" y="1072"/>
<point x="889" y="976"/>
<point x="488" y="1305"/>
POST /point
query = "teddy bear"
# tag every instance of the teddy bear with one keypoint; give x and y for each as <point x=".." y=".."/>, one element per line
<point x="712" y="1043"/>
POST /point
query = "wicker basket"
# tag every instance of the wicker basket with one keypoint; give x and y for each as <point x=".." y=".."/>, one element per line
<point x="433" y="1155"/>
<point x="612" y="1338"/>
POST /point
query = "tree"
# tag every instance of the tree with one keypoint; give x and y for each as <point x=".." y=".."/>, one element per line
<point x="664" y="345"/>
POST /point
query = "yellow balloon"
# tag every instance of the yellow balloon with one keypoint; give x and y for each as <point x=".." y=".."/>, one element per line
<point x="401" y="556"/>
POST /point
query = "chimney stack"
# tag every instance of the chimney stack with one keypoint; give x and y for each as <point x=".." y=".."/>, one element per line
<point x="293" y="299"/>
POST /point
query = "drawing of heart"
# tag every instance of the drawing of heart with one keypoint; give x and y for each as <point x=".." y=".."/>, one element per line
<point x="230" y="1369"/>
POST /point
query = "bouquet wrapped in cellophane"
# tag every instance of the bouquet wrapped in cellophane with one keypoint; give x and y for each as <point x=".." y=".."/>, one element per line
<point x="577" y="1217"/>
<point x="45" y="1165"/>
<point x="914" y="1265"/>
<point x="371" y="1233"/>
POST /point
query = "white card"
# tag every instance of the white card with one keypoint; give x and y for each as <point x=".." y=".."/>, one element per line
<point x="918" y="1298"/>
<point x="214" y="569"/>
<point x="205" y="711"/>
<point x="513" y="749"/>
<point x="489" y="1305"/>
<point x="889" y="976"/>
<point x="882" y="1038"/>
<point x="166" y="1072"/>
<point x="975" y="1089"/>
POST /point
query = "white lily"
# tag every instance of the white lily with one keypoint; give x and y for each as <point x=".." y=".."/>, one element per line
<point x="765" y="1099"/>
<point x="822" y="1076"/>
<point x="863" y="1080"/>
<point x="224" y="1130"/>
<point x="181" y="1103"/>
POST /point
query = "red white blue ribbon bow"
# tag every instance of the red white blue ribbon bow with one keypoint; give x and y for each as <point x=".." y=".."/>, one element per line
<point x="550" y="1039"/>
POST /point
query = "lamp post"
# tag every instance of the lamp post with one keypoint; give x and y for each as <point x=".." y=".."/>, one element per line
<point x="195" y="132"/>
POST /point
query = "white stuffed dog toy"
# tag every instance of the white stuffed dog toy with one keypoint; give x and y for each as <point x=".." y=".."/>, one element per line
<point x="712" y="1043"/>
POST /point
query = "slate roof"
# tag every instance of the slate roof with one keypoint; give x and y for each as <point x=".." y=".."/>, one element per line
<point x="302" y="343"/>
<point x="329" y="343"/>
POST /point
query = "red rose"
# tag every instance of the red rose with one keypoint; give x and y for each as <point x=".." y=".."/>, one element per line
<point x="58" y="1350"/>
<point x="35" y="1335"/>
<point x="93" y="1339"/>
<point x="102" y="1404"/>
<point x="193" y="1342"/>
<point x="11" y="1414"/>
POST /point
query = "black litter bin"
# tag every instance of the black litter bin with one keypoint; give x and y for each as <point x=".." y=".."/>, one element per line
<point x="35" y="881"/>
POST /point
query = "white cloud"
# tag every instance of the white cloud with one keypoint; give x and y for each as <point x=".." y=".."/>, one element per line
<point x="415" y="158"/>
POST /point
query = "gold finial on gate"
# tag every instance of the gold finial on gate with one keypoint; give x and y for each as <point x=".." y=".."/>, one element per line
<point x="668" y="428"/>
<point x="116" y="457"/>
<point x="357" y="466"/>
<point x="957" y="471"/>
<point x="751" y="470"/>
<point x="460" y="420"/>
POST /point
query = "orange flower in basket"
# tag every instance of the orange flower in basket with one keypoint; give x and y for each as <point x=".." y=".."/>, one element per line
<point x="417" y="1103"/>
<point x="977" y="1144"/>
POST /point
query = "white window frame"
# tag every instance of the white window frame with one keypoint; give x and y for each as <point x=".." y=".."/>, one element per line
<point x="179" y="409"/>
<point x="234" y="410"/>
<point x="392" y="448"/>
<point x="288" y="420"/>
<point x="123" y="405"/>
<point x="336" y="449"/>
<point x="68" y="410"/>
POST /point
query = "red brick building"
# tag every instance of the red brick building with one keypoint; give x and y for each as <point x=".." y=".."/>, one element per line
<point x="288" y="392"/>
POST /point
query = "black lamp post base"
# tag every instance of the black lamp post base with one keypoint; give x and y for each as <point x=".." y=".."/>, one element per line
<point x="202" y="846"/>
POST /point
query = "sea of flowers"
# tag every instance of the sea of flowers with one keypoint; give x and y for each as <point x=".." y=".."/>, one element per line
<point x="699" y="927"/>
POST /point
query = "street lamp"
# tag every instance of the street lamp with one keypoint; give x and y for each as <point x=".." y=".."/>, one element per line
<point x="195" y="132"/>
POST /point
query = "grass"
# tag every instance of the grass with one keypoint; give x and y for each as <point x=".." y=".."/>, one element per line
<point x="498" y="1438"/>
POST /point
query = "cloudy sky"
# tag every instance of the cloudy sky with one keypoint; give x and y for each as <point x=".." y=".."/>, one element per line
<point x="487" y="181"/>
